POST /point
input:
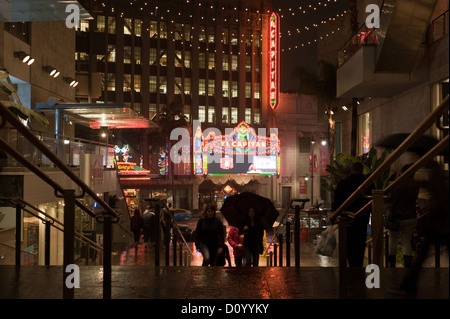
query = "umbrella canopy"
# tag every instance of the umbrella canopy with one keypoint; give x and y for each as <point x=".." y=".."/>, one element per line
<point x="421" y="146"/>
<point x="236" y="207"/>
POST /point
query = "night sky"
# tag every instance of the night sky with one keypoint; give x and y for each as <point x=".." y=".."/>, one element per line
<point x="302" y="56"/>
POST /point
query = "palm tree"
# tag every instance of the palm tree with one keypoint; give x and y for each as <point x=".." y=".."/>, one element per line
<point x="13" y="103"/>
<point x="170" y="117"/>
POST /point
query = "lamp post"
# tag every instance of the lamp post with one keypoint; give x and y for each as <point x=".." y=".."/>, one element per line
<point x="312" y="171"/>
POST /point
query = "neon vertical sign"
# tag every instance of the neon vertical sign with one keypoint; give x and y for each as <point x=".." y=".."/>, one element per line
<point x="274" y="59"/>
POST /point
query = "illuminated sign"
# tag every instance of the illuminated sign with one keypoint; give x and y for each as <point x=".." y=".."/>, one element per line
<point x="131" y="169"/>
<point x="274" y="59"/>
<point x="240" y="152"/>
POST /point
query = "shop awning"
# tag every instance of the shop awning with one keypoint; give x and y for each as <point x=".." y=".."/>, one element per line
<point x="96" y="116"/>
<point x="38" y="10"/>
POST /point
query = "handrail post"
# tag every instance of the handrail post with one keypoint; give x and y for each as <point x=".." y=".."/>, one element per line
<point x="157" y="234"/>
<point x="297" y="235"/>
<point x="288" y="244"/>
<point x="174" y="247"/>
<point x="343" y="256"/>
<point x="280" y="240"/>
<point x="47" y="242"/>
<point x="18" y="233"/>
<point x="377" y="226"/>
<point x="69" y="238"/>
<point x="107" y="250"/>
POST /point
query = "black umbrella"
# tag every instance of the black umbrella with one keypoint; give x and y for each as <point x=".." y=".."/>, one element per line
<point x="421" y="146"/>
<point x="236" y="207"/>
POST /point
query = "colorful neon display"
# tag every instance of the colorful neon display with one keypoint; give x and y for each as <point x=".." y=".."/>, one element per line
<point x="274" y="59"/>
<point x="240" y="152"/>
<point x="128" y="168"/>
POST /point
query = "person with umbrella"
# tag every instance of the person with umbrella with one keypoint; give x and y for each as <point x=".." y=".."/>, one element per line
<point x="209" y="236"/>
<point x="253" y="239"/>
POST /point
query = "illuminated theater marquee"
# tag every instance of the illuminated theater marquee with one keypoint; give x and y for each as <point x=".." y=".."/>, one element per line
<point x="240" y="152"/>
<point x="274" y="59"/>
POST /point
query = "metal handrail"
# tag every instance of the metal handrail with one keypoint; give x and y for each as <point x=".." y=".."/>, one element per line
<point x="17" y="124"/>
<point x="407" y="143"/>
<point x="79" y="236"/>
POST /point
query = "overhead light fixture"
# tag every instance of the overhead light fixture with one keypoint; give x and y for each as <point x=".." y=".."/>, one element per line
<point x="25" y="57"/>
<point x="344" y="107"/>
<point x="51" y="71"/>
<point x="71" y="82"/>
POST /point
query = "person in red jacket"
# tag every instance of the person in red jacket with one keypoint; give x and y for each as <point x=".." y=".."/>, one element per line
<point x="235" y="240"/>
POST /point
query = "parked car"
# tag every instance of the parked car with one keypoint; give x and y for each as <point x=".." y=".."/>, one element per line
<point x="181" y="214"/>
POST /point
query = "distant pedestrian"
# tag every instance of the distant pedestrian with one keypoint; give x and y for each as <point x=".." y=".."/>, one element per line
<point x="357" y="229"/>
<point x="209" y="236"/>
<point x="401" y="207"/>
<point x="136" y="225"/>
<point x="167" y="221"/>
<point x="432" y="226"/>
<point x="253" y="239"/>
<point x="149" y="224"/>
<point x="236" y="240"/>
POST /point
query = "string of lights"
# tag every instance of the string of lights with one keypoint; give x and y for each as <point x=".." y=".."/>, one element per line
<point x="157" y="12"/>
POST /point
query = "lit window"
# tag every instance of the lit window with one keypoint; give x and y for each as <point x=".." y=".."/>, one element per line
<point x="111" y="82"/>
<point x="178" y="31"/>
<point x="257" y="116"/>
<point x="152" y="84"/>
<point x="225" y="64"/>
<point x="126" y="54"/>
<point x="138" y="27"/>
<point x="248" y="90"/>
<point x="127" y="82"/>
<point x="127" y="26"/>
<point x="178" y="88"/>
<point x="257" y="64"/>
<point x="225" y="89"/>
<point x="256" y="91"/>
<point x="234" y="115"/>
<point x="364" y="133"/>
<point x="201" y="113"/>
<point x="178" y="61"/>
<point x="101" y="22"/>
<point x="248" y="115"/>
<point x="111" y="25"/>
<point x="187" y="32"/>
<point x="163" y="30"/>
<point x="137" y="55"/>
<point x="234" y="62"/>
<point x="211" y="114"/>
<point x="201" y="60"/>
<point x="234" y="37"/>
<point x="211" y="34"/>
<point x="153" y="56"/>
<point x="187" y="59"/>
<point x="202" y="34"/>
<point x="211" y="88"/>
<point x="211" y="61"/>
<point x="163" y="85"/>
<point x="163" y="57"/>
<point x="225" y="115"/>
<point x="257" y="39"/>
<point x="248" y="38"/>
<point x="187" y="86"/>
<point x="151" y="110"/>
<point x="153" y="29"/>
<point x="111" y="53"/>
<point x="187" y="112"/>
<point x="201" y="87"/>
<point x="234" y="89"/>
<point x="137" y="82"/>
<point x="225" y="34"/>
<point x="248" y="63"/>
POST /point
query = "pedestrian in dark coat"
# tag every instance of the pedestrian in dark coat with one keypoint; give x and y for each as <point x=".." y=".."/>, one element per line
<point x="137" y="223"/>
<point x="357" y="229"/>
<point x="209" y="236"/>
<point x="253" y="239"/>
